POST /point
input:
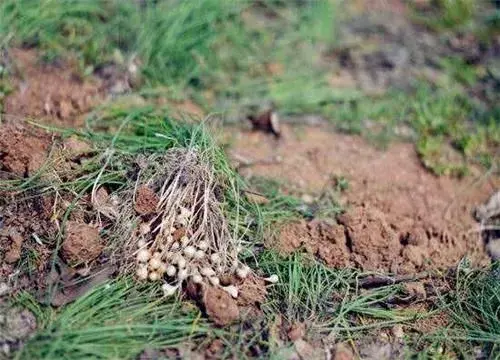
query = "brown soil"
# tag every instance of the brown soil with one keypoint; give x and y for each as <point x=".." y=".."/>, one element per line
<point x="53" y="93"/>
<point x="399" y="217"/>
<point x="20" y="220"/>
<point x="23" y="150"/>
<point x="221" y="308"/>
<point x="252" y="292"/>
<point x="14" y="251"/>
<point x="145" y="200"/>
<point x="327" y="241"/>
<point x="82" y="244"/>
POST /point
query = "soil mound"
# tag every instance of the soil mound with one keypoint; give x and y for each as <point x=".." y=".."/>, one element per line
<point x="399" y="217"/>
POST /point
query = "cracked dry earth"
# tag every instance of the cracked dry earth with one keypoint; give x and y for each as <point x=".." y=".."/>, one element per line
<point x="398" y="217"/>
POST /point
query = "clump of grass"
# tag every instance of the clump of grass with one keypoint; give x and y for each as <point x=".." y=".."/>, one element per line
<point x="327" y="298"/>
<point x="116" y="320"/>
<point x="176" y="34"/>
<point x="473" y="307"/>
<point x="210" y="50"/>
<point x="92" y="29"/>
<point x="449" y="14"/>
<point x="443" y="123"/>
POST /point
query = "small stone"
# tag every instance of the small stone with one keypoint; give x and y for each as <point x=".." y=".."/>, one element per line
<point x="397" y="331"/>
<point x="343" y="352"/>
<point x="307" y="199"/>
<point x="4" y="289"/>
<point x="297" y="331"/>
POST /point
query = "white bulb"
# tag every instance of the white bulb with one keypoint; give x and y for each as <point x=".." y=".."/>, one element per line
<point x="172" y="229"/>
<point x="184" y="241"/>
<point x="171" y="270"/>
<point x="154" y="263"/>
<point x="181" y="262"/>
<point x="175" y="258"/>
<point x="231" y="290"/>
<point x="196" y="278"/>
<point x="142" y="273"/>
<point x="175" y="246"/>
<point x="189" y="251"/>
<point x="184" y="212"/>
<point x="144" y="229"/>
<point x="141" y="243"/>
<point x="143" y="255"/>
<point x="203" y="245"/>
<point x="206" y="271"/>
<point x="154" y="276"/>
<point x="162" y="268"/>
<point x="215" y="258"/>
<point x="182" y="274"/>
<point x="168" y="290"/>
<point x="199" y="254"/>
<point x="273" y="279"/>
<point x="214" y="280"/>
<point x="242" y="272"/>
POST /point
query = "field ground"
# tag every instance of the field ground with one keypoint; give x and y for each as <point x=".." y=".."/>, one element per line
<point x="371" y="198"/>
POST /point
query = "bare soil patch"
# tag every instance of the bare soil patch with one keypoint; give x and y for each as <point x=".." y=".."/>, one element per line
<point x="54" y="93"/>
<point x="399" y="217"/>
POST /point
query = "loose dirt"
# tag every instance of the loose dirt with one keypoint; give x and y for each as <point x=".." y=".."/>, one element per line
<point x="398" y="216"/>
<point x="53" y="93"/>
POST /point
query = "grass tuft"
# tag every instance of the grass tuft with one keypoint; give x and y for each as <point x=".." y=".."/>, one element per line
<point x="116" y="320"/>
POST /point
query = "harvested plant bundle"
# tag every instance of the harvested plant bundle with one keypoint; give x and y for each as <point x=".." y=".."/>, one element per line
<point x="173" y="223"/>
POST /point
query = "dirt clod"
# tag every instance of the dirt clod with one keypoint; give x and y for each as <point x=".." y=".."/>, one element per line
<point x="82" y="243"/>
<point x="76" y="147"/>
<point x="372" y="241"/>
<point x="23" y="149"/>
<point x="296" y="331"/>
<point x="214" y="350"/>
<point x="220" y="307"/>
<point x="14" y="252"/>
<point x="327" y="241"/>
<point x="145" y="201"/>
<point x="252" y="292"/>
<point x="416" y="289"/>
<point x="343" y="352"/>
